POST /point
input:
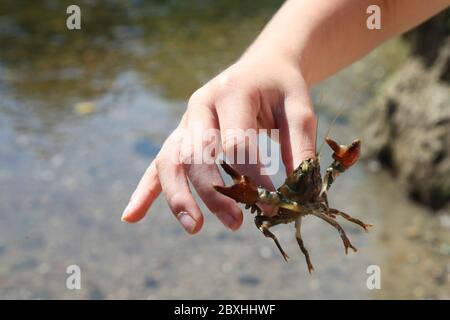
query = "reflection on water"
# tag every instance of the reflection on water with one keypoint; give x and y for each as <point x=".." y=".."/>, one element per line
<point x="83" y="112"/>
<point x="155" y="39"/>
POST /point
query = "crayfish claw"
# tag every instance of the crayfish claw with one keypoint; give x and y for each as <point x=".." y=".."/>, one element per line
<point x="243" y="191"/>
<point x="231" y="192"/>
<point x="229" y="169"/>
<point x="346" y="156"/>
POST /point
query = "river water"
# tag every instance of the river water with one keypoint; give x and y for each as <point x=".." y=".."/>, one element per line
<point x="82" y="113"/>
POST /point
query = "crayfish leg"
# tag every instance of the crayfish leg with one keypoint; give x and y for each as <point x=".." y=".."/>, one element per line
<point x="253" y="208"/>
<point x="334" y="223"/>
<point x="263" y="225"/>
<point x="298" y="236"/>
<point x="348" y="217"/>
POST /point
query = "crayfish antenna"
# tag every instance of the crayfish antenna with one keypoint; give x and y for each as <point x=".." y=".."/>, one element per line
<point x="329" y="129"/>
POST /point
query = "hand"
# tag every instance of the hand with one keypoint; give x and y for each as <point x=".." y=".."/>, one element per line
<point x="305" y="42"/>
<point x="259" y="91"/>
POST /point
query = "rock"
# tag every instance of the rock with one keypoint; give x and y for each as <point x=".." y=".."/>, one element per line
<point x="444" y="221"/>
<point x="249" y="280"/>
<point x="146" y="148"/>
<point x="151" y="283"/>
<point x="95" y="293"/>
<point x="408" y="126"/>
<point x="84" y="108"/>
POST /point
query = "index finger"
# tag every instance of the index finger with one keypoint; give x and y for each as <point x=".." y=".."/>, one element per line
<point x="142" y="198"/>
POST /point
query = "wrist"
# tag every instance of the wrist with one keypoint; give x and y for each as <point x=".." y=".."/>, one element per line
<point x="284" y="39"/>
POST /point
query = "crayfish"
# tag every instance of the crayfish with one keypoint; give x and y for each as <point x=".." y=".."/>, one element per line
<point x="303" y="193"/>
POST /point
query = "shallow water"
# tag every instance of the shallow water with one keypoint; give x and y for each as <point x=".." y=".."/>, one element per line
<point x="82" y="113"/>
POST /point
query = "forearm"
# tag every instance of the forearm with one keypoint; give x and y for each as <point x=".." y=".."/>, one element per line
<point x="324" y="36"/>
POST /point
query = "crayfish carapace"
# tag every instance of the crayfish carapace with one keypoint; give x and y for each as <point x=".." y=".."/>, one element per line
<point x="302" y="193"/>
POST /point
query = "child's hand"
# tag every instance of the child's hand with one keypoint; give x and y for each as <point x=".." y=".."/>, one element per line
<point x="305" y="42"/>
<point x="259" y="91"/>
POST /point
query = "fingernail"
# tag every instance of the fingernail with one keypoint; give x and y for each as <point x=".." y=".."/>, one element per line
<point x="127" y="209"/>
<point x="125" y="213"/>
<point x="186" y="221"/>
<point x="228" y="220"/>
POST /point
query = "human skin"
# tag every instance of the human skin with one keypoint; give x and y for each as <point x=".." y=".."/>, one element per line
<point x="268" y="88"/>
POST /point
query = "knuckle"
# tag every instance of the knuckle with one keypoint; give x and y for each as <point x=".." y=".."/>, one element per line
<point x="210" y="138"/>
<point x="158" y="162"/>
<point x="187" y="154"/>
<point x="211" y="144"/>
<point x="241" y="144"/>
<point x="197" y="97"/>
<point x="166" y="157"/>
<point x="234" y="138"/>
<point x="177" y="201"/>
<point x="192" y="109"/>
<point x="196" y="149"/>
<point x="308" y="115"/>
<point x="227" y="82"/>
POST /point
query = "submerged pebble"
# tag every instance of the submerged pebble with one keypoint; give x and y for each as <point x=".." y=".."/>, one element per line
<point x="249" y="280"/>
